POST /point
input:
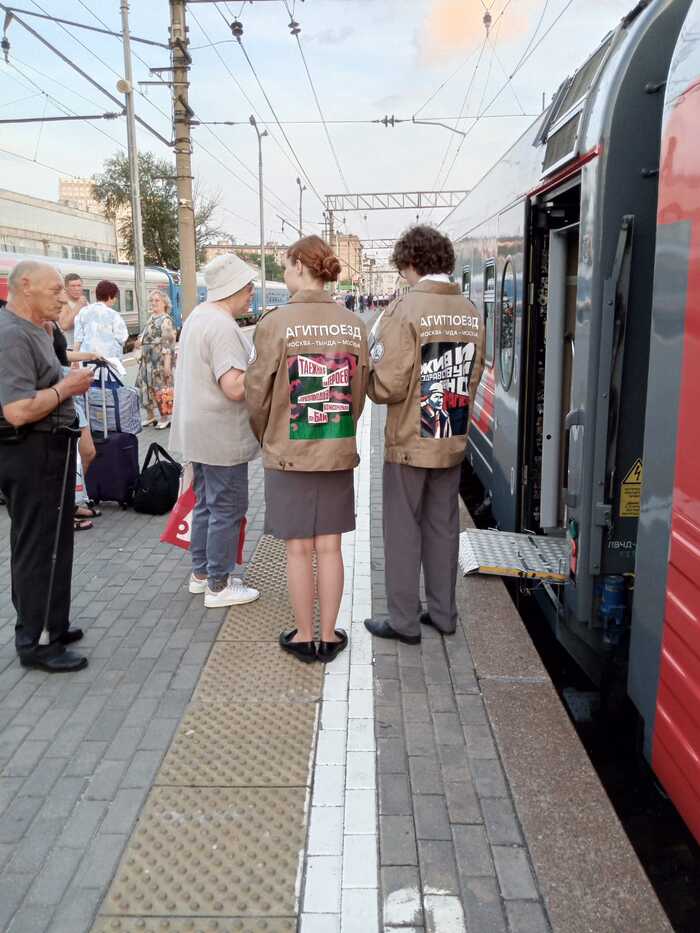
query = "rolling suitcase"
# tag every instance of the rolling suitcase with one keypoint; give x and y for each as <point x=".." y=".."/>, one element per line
<point x="114" y="472"/>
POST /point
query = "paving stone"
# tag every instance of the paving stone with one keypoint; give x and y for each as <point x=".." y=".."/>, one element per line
<point x="125" y="743"/>
<point x="444" y="914"/>
<point x="420" y="739"/>
<point x="31" y="852"/>
<point x="454" y="762"/>
<point x="54" y="877"/>
<point x="360" y="862"/>
<point x="17" y="817"/>
<point x="397" y="840"/>
<point x="322" y="888"/>
<point x="441" y="699"/>
<point x="479" y="741"/>
<point x="142" y="769"/>
<point x="83" y="823"/>
<point x="31" y="920"/>
<point x="360" y="911"/>
<point x="501" y="822"/>
<point x="489" y="779"/>
<point x="394" y="795"/>
<point x="438" y="869"/>
<point x="462" y="802"/>
<point x="514" y="874"/>
<point x="415" y="708"/>
<point x="105" y="780"/>
<point x="100" y="861"/>
<point x="12" y="890"/>
<point x="24" y="760"/>
<point x="431" y="819"/>
<point x="413" y="680"/>
<point x="389" y="723"/>
<point x="402" y="901"/>
<point x="425" y="775"/>
<point x="386" y="666"/>
<point x="472" y="851"/>
<point x="482" y="905"/>
<point x="448" y="729"/>
<point x="391" y="756"/>
<point x="44" y="777"/>
<point x="526" y="917"/>
<point x="326" y="831"/>
<point x="471" y="709"/>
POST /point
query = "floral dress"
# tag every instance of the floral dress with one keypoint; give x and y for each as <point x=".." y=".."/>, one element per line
<point x="158" y="338"/>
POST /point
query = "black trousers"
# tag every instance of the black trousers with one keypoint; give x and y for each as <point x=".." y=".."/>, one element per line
<point x="421" y="529"/>
<point x="31" y="478"/>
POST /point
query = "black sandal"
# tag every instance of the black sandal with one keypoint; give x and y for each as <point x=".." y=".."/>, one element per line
<point x="91" y="510"/>
<point x="81" y="524"/>
<point x="304" y="650"/>
<point x="329" y="650"/>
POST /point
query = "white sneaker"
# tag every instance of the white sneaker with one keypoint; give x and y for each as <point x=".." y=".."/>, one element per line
<point x="234" y="594"/>
<point x="197" y="586"/>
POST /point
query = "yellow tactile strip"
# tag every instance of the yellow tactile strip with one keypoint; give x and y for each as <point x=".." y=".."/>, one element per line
<point x="254" y="672"/>
<point x="252" y="745"/>
<point x="219" y="843"/>
<point x="200" y="925"/>
<point x="213" y="851"/>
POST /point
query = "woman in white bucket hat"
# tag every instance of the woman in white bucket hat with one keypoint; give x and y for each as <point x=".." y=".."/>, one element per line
<point x="211" y="428"/>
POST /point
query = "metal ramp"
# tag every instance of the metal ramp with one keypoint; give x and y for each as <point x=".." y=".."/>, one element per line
<point x="507" y="554"/>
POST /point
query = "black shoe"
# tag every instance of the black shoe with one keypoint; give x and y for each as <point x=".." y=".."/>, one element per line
<point x="382" y="629"/>
<point x="328" y="650"/>
<point x="73" y="634"/>
<point x="426" y="619"/>
<point x="304" y="650"/>
<point x="65" y="663"/>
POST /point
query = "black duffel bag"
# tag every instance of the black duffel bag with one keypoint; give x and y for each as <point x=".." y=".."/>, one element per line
<point x="158" y="484"/>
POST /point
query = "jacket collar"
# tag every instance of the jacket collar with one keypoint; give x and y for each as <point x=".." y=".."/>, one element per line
<point x="311" y="295"/>
<point x="437" y="288"/>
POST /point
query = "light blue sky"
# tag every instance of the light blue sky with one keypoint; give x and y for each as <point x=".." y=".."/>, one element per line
<point x="367" y="58"/>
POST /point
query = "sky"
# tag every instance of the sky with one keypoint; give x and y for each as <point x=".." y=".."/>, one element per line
<point x="426" y="59"/>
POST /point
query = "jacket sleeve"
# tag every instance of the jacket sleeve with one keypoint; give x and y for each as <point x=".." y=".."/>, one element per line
<point x="363" y="367"/>
<point x="392" y="353"/>
<point x="265" y="360"/>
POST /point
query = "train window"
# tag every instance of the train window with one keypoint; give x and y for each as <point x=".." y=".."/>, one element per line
<point x="467" y="281"/>
<point x="506" y="338"/>
<point x="128" y="300"/>
<point x="489" y="309"/>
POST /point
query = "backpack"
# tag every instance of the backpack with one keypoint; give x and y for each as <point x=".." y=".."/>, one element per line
<point x="158" y="484"/>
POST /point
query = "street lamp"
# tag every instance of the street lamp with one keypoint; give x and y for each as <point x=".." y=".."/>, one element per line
<point x="262" y="214"/>
<point x="302" y="189"/>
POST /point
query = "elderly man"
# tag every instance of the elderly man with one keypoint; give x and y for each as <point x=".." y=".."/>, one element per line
<point x="211" y="428"/>
<point x="37" y="466"/>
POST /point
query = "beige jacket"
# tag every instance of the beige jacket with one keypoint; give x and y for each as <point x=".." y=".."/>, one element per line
<point x="306" y="384"/>
<point x="427" y="355"/>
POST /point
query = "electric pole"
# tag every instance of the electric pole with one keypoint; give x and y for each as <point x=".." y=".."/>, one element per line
<point x="182" y="113"/>
<point x="262" y="211"/>
<point x="127" y="86"/>
<point x="302" y="189"/>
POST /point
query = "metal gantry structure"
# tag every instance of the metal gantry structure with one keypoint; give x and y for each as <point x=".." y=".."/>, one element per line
<point x="394" y="200"/>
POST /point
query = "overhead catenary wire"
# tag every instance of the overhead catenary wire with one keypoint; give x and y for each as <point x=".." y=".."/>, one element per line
<point x="521" y="62"/>
<point x="318" y="103"/>
<point x="51" y="168"/>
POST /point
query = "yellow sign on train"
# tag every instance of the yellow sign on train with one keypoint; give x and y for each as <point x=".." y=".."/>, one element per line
<point x="631" y="492"/>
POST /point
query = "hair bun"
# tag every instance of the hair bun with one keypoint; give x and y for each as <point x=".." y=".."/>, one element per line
<point x="331" y="268"/>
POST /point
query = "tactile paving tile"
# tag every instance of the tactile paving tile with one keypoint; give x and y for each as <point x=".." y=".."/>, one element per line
<point x="192" y="925"/>
<point x="227" y="852"/>
<point x="267" y="570"/>
<point x="256" y="745"/>
<point x="255" y="672"/>
<point x="262" y="620"/>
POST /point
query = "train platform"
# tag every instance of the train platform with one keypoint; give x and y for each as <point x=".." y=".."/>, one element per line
<point x="194" y="778"/>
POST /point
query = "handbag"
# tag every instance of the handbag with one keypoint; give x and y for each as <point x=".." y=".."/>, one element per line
<point x="112" y="406"/>
<point x="158" y="483"/>
<point x="164" y="400"/>
<point x="178" y="530"/>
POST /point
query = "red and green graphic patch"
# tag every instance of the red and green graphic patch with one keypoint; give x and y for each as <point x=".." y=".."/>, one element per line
<point x="320" y="395"/>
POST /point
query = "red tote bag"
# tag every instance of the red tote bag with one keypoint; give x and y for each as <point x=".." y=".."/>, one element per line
<point x="178" y="530"/>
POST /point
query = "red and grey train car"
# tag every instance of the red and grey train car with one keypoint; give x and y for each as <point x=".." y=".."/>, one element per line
<point x="557" y="247"/>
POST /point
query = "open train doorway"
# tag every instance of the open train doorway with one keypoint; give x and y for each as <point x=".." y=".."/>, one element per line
<point x="554" y="262"/>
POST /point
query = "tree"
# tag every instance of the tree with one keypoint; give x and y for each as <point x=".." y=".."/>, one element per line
<point x="158" y="208"/>
<point x="274" y="272"/>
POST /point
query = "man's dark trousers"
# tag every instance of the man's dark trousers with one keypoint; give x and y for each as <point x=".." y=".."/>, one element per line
<point x="31" y="477"/>
<point x="421" y="528"/>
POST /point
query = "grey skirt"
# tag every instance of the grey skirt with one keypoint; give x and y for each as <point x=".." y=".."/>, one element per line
<point x="304" y="505"/>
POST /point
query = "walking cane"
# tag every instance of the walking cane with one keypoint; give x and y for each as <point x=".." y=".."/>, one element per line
<point x="44" y="637"/>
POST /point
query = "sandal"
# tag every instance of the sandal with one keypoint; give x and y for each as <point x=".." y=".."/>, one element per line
<point x="87" y="510"/>
<point x="149" y="422"/>
<point x="329" y="650"/>
<point x="304" y="650"/>
<point x="81" y="524"/>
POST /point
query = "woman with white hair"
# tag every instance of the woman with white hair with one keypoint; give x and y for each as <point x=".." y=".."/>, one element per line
<point x="155" y="377"/>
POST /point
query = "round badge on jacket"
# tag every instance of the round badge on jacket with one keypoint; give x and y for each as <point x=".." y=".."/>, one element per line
<point x="377" y="351"/>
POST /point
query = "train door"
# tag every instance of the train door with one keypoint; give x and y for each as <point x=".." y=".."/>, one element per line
<point x="507" y="356"/>
<point x="551" y="354"/>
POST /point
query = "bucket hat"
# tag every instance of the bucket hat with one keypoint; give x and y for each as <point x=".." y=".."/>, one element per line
<point x="226" y="275"/>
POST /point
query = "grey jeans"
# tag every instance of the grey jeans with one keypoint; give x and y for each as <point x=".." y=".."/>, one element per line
<point x="222" y="502"/>
<point x="421" y="528"/>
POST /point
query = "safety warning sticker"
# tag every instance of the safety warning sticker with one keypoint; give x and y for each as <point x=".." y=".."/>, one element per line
<point x="631" y="492"/>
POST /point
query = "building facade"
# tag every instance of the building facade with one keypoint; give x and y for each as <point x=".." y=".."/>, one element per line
<point x="45" y="228"/>
<point x="348" y="249"/>
<point x="79" y="193"/>
<point x="247" y="251"/>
